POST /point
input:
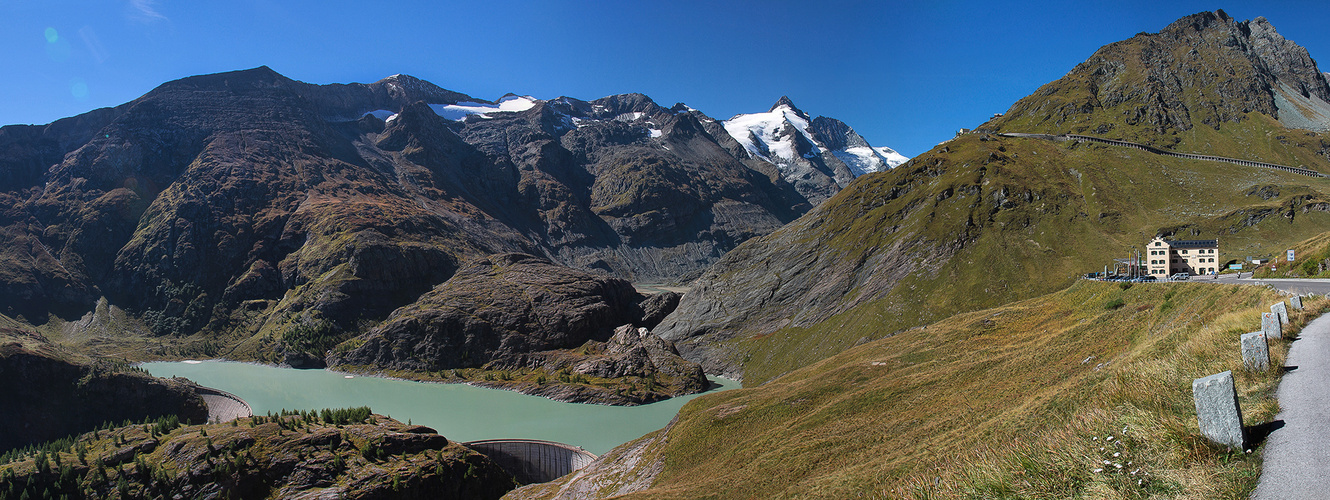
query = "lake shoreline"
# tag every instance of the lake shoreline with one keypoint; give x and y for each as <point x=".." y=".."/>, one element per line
<point x="461" y="411"/>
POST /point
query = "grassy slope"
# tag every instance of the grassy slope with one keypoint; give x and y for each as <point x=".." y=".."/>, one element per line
<point x="1013" y="401"/>
<point x="1181" y="89"/>
<point x="1311" y="260"/>
<point x="1089" y="204"/>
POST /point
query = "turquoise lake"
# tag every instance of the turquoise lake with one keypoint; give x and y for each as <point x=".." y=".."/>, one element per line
<point x="459" y="412"/>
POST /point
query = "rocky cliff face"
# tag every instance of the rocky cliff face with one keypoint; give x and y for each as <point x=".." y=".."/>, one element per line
<point x="1203" y="70"/>
<point x="298" y="214"/>
<point x="50" y="395"/>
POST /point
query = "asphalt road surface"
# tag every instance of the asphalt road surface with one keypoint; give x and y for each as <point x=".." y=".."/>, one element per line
<point x="1297" y="454"/>
<point x="1297" y="286"/>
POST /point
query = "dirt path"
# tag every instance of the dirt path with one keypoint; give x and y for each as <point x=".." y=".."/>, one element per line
<point x="1297" y="455"/>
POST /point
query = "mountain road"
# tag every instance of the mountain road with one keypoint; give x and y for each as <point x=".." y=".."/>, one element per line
<point x="1297" y="454"/>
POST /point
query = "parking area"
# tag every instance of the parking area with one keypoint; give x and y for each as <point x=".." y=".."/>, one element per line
<point x="1144" y="279"/>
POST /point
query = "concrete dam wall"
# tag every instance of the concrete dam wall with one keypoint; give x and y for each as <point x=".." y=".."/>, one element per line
<point x="223" y="406"/>
<point x="533" y="461"/>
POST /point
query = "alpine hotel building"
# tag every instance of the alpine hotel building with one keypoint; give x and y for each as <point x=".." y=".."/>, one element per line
<point x="1195" y="257"/>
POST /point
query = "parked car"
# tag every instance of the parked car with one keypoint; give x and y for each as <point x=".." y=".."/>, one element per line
<point x="1181" y="277"/>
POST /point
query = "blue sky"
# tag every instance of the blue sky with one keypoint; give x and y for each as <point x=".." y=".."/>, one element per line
<point x="903" y="74"/>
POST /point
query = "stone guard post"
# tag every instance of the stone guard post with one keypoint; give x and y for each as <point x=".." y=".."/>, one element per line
<point x="1255" y="351"/>
<point x="1271" y="327"/>
<point x="1217" y="409"/>
<point x="1282" y="311"/>
<point x="1296" y="301"/>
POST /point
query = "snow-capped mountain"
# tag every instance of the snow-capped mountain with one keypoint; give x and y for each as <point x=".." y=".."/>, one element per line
<point x="785" y="136"/>
<point x="816" y="156"/>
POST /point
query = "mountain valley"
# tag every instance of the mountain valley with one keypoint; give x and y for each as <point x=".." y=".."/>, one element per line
<point x="903" y="327"/>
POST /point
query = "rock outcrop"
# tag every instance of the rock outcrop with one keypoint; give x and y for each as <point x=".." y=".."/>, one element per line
<point x="495" y="307"/>
<point x="290" y="456"/>
<point x="49" y="394"/>
<point x="1202" y="70"/>
<point x="647" y="369"/>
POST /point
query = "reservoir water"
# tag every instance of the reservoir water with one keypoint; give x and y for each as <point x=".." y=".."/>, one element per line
<point x="458" y="411"/>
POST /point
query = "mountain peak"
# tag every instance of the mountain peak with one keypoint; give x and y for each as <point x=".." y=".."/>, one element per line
<point x="407" y="89"/>
<point x="785" y="101"/>
<point x="1198" y="22"/>
<point x="1145" y="87"/>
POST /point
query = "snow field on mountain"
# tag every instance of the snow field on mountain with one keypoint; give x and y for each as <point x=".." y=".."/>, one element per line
<point x="461" y="110"/>
<point x="765" y="127"/>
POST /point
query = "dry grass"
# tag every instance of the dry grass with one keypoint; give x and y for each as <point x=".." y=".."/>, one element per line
<point x="1018" y="401"/>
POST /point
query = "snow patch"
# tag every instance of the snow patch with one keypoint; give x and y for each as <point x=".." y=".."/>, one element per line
<point x="861" y="160"/>
<point x="461" y="110"/>
<point x="654" y="132"/>
<point x="749" y="129"/>
<point x="866" y="160"/>
<point x="892" y="158"/>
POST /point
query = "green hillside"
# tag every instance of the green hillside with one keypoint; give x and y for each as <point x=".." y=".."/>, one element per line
<point x="978" y="222"/>
<point x="983" y="220"/>
<point x="1026" y="400"/>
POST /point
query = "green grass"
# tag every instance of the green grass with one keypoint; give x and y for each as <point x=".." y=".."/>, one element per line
<point x="1071" y="209"/>
<point x="1311" y="260"/>
<point x="1009" y="402"/>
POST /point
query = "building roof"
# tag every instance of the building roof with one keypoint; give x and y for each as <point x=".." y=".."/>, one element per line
<point x="1193" y="243"/>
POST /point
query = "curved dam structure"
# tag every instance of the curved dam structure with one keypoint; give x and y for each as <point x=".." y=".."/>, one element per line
<point x="223" y="406"/>
<point x="532" y="460"/>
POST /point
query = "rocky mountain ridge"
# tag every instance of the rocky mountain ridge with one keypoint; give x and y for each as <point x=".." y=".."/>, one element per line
<point x="253" y="206"/>
<point x="819" y="156"/>
<point x="1202" y="70"/>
